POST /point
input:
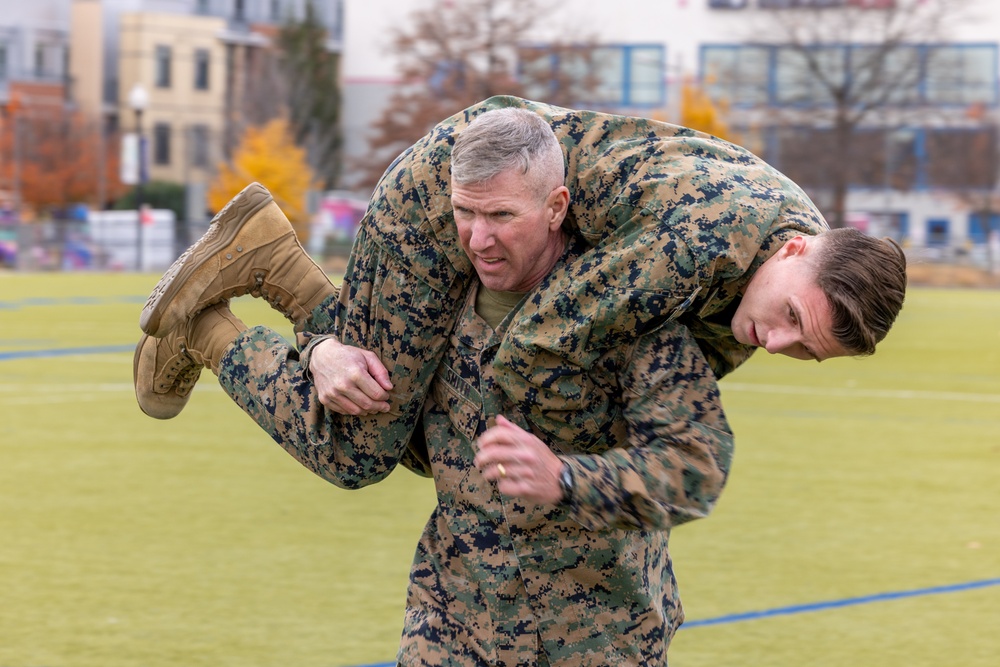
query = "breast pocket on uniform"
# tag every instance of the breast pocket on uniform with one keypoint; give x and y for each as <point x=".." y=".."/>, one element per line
<point x="458" y="398"/>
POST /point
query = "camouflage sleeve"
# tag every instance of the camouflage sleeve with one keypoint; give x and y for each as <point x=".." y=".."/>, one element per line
<point x="679" y="445"/>
<point x="416" y="458"/>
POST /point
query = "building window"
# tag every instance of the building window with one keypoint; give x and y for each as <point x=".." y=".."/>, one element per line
<point x="201" y="60"/>
<point x="727" y="4"/>
<point x="608" y="75"/>
<point x="811" y="4"/>
<point x="796" y="78"/>
<point x="776" y="75"/>
<point x="39" y="61"/>
<point x="904" y="159"/>
<point x="161" y="144"/>
<point x="239" y="10"/>
<point x="162" y="66"/>
<point x="937" y="232"/>
<point x="201" y="7"/>
<point x="199" y="145"/>
<point x="961" y="158"/>
<point x="737" y="75"/>
<point x="3" y="62"/>
<point x="961" y="74"/>
<point x="276" y="10"/>
<point x="873" y="4"/>
<point x="981" y="225"/>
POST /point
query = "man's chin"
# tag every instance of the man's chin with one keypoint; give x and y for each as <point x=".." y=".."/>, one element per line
<point x="734" y="326"/>
<point x="494" y="281"/>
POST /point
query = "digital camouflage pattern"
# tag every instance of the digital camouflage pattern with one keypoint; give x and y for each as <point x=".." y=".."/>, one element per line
<point x="497" y="581"/>
<point x="612" y="360"/>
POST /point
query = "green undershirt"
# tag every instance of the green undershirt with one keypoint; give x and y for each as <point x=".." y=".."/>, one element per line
<point x="494" y="306"/>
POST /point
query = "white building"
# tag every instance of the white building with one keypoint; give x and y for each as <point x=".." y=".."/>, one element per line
<point x="648" y="47"/>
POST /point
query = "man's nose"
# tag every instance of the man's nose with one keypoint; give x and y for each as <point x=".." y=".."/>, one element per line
<point x="779" y="340"/>
<point x="482" y="236"/>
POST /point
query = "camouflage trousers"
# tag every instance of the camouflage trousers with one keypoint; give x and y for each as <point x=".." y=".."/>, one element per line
<point x="381" y="307"/>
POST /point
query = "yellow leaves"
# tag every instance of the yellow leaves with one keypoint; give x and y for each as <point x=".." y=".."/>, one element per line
<point x="699" y="112"/>
<point x="268" y="154"/>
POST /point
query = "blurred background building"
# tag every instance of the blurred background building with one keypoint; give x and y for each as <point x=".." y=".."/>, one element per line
<point x="885" y="111"/>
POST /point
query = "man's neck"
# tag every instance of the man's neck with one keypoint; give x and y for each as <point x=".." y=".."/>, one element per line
<point x="494" y="306"/>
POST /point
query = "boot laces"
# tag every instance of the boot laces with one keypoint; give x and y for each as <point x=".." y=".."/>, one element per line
<point x="260" y="290"/>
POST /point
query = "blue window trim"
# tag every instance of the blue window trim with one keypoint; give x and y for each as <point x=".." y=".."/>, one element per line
<point x="978" y="231"/>
<point x="627" y="92"/>
<point x="939" y="243"/>
<point x="923" y="50"/>
<point x="772" y="142"/>
<point x="904" y="225"/>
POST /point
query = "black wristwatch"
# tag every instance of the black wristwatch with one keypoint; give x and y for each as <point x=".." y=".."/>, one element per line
<point x="566" y="485"/>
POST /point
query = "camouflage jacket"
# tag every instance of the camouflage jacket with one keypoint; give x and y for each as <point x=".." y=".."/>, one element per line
<point x="675" y="223"/>
<point x="497" y="581"/>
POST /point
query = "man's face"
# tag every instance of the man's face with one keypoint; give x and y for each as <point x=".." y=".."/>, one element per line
<point x="510" y="230"/>
<point x="783" y="309"/>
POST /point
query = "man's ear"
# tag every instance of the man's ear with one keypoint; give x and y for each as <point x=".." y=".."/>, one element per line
<point x="558" y="204"/>
<point x="797" y="245"/>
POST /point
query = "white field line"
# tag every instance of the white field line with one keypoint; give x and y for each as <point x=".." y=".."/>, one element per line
<point x="848" y="392"/>
<point x="41" y="394"/>
<point x="55" y="392"/>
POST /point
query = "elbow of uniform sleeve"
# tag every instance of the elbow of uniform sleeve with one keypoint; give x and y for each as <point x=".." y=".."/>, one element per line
<point x="649" y="489"/>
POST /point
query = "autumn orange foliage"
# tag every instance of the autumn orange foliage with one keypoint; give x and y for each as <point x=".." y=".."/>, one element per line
<point x="54" y="158"/>
<point x="268" y="155"/>
<point x="698" y="112"/>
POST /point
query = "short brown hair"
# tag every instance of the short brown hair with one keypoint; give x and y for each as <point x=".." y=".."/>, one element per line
<point x="864" y="279"/>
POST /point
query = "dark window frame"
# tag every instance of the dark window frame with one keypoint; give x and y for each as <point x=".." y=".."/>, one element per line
<point x="164" y="58"/>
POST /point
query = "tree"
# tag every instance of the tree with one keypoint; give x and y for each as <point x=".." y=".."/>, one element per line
<point x="55" y="157"/>
<point x="970" y="161"/>
<point x="844" y="71"/>
<point x="268" y="154"/>
<point x="312" y="71"/>
<point x="158" y="194"/>
<point x="699" y="112"/>
<point x="455" y="53"/>
<point x="297" y="77"/>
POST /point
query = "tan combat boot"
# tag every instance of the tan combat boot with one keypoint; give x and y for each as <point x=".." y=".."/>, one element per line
<point x="249" y="248"/>
<point x="166" y="369"/>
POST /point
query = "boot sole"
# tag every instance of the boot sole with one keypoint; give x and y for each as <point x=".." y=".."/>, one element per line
<point x="165" y="409"/>
<point x="221" y="231"/>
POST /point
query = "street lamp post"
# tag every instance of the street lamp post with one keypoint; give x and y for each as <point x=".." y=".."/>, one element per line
<point x="138" y="99"/>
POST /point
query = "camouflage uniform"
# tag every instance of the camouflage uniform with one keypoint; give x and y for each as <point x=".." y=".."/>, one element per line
<point x="498" y="581"/>
<point x="669" y="225"/>
<point x="676" y="222"/>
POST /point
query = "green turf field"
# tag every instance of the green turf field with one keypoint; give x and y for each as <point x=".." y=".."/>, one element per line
<point x="197" y="542"/>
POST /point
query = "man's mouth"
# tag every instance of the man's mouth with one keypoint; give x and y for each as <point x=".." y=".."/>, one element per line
<point x="754" y="340"/>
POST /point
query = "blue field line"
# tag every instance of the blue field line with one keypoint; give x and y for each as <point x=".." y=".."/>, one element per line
<point x="64" y="352"/>
<point x="835" y="604"/>
<point x="816" y="606"/>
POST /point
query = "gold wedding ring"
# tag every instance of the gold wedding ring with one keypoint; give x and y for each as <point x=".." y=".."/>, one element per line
<point x="501" y="470"/>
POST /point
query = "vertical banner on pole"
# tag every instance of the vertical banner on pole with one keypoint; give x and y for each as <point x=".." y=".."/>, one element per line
<point x="129" y="162"/>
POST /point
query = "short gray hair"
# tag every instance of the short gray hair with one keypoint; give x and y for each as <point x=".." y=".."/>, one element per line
<point x="504" y="139"/>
